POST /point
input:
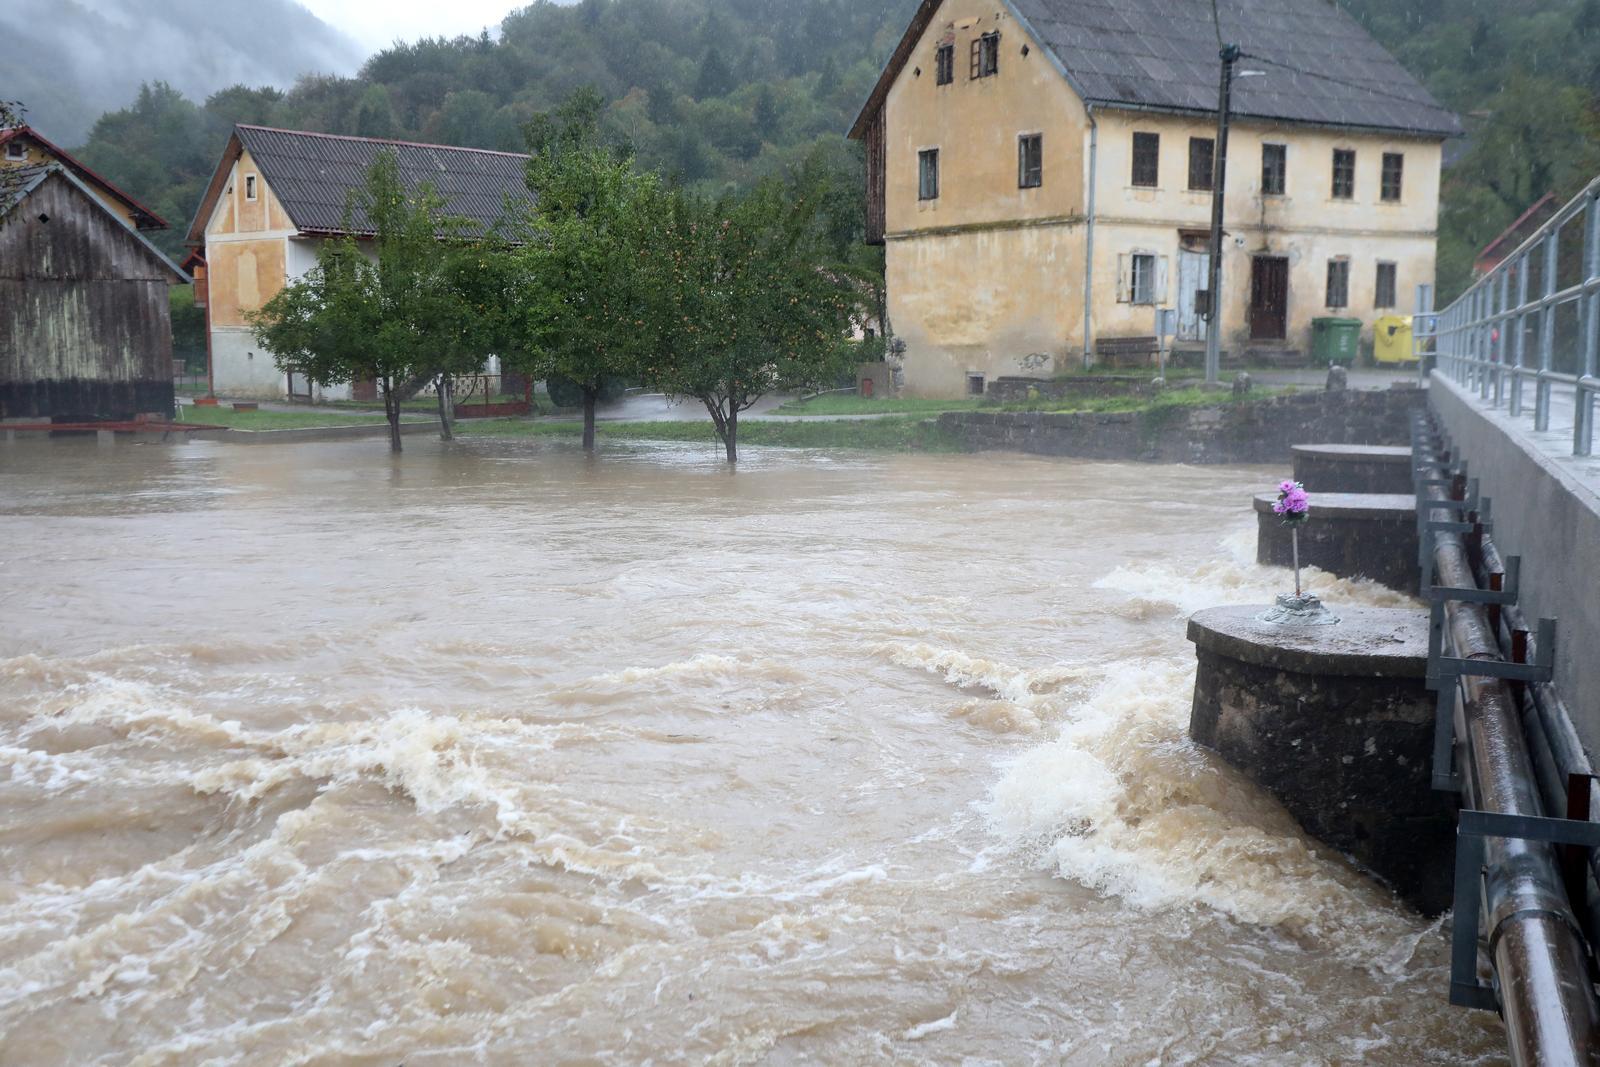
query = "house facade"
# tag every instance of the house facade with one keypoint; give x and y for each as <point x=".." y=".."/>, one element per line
<point x="277" y="195"/>
<point x="85" y="314"/>
<point x="1040" y="172"/>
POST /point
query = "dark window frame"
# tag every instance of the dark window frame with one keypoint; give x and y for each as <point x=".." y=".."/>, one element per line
<point x="16" y="150"/>
<point x="1030" y="160"/>
<point x="985" y="57"/>
<point x="1392" y="185"/>
<point x="1338" y="294"/>
<point x="1202" y="171"/>
<point x="1274" y="169"/>
<point x="927" y="174"/>
<point x="944" y="62"/>
<point x="1344" y="174"/>
<point x="1387" y="284"/>
<point x="1146" y="160"/>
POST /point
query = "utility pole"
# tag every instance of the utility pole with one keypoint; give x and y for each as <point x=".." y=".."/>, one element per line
<point x="1219" y="183"/>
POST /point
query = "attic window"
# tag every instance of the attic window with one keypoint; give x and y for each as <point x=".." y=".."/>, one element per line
<point x="16" y="150"/>
<point x="945" y="61"/>
<point x="249" y="186"/>
<point x="986" y="56"/>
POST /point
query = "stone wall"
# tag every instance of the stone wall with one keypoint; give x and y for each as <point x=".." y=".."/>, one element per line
<point x="1259" y="431"/>
<point x="1021" y="390"/>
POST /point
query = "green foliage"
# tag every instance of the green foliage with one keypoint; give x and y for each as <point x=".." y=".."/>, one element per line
<point x="587" y="277"/>
<point x="757" y="303"/>
<point x="188" y="326"/>
<point x="1526" y="80"/>
<point x="404" y="306"/>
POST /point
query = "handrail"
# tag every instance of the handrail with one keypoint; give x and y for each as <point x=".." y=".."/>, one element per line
<point x="1482" y="340"/>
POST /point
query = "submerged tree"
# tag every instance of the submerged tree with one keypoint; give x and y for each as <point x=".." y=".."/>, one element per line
<point x="390" y="306"/>
<point x="755" y="304"/>
<point x="589" y="271"/>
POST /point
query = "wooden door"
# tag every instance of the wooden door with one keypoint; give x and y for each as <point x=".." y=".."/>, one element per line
<point x="1269" y="298"/>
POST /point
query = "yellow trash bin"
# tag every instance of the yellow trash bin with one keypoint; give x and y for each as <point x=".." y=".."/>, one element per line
<point x="1391" y="340"/>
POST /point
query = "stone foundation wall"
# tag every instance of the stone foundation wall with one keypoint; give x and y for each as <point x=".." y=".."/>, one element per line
<point x="1020" y="390"/>
<point x="1260" y="431"/>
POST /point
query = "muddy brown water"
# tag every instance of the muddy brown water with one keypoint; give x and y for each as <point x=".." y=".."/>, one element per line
<point x="498" y="755"/>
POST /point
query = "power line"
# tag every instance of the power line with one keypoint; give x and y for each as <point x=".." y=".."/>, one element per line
<point x="1336" y="81"/>
<point x="1216" y="24"/>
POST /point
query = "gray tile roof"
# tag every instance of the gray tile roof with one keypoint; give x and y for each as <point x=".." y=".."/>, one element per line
<point x="1320" y="66"/>
<point x="312" y="175"/>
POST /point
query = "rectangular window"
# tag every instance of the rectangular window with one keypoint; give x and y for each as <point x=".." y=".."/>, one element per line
<point x="1142" y="277"/>
<point x="1030" y="161"/>
<point x="928" y="174"/>
<point x="1147" y="160"/>
<point x="1386" y="286"/>
<point x="1394" y="169"/>
<point x="249" y="186"/>
<point x="974" y="384"/>
<point x="945" y="64"/>
<point x="1344" y="173"/>
<point x="1338" y="283"/>
<point x="16" y="150"/>
<point x="1202" y="162"/>
<point x="986" y="56"/>
<point x="1274" y="169"/>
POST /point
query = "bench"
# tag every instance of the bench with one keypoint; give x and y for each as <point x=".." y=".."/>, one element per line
<point x="1126" y="351"/>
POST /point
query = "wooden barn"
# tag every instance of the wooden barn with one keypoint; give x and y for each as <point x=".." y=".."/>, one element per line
<point x="85" y="319"/>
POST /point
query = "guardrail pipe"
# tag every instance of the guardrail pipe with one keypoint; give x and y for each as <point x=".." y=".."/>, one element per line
<point x="1534" y="940"/>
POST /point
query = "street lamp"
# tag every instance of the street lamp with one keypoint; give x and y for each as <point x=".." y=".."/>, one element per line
<point x="1219" y="180"/>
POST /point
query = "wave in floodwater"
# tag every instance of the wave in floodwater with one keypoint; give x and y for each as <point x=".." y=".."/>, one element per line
<point x="501" y="756"/>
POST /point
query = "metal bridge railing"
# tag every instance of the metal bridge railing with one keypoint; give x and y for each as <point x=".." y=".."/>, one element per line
<point x="1504" y="333"/>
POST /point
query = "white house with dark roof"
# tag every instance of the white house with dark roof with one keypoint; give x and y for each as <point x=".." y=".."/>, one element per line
<point x="1041" y="171"/>
<point x="277" y="194"/>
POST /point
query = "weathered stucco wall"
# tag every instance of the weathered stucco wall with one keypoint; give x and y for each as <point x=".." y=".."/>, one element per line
<point x="977" y="278"/>
<point x="85" y="326"/>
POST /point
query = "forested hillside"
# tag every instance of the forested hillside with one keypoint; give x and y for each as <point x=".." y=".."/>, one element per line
<point x="721" y="91"/>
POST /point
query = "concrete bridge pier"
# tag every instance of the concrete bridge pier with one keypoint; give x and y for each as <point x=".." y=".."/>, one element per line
<point x="1349" y="535"/>
<point x="1354" y="469"/>
<point x="1337" y="723"/>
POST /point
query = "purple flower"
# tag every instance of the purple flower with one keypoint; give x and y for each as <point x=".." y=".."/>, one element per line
<point x="1293" y="502"/>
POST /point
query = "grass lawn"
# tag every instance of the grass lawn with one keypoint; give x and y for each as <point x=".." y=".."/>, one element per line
<point x="898" y="433"/>
<point x="273" y="420"/>
<point x="836" y="404"/>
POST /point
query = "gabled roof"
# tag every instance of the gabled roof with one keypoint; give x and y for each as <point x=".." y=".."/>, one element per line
<point x="312" y="175"/>
<point x="1321" y="68"/>
<point x="1499" y="249"/>
<point x="19" y="183"/>
<point x="148" y="220"/>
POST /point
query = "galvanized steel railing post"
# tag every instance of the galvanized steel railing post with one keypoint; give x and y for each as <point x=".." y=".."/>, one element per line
<point x="1522" y="334"/>
<point x="1583" y="418"/>
<point x="1547" y="330"/>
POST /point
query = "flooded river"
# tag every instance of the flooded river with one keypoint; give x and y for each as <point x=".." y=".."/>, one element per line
<point x="496" y="755"/>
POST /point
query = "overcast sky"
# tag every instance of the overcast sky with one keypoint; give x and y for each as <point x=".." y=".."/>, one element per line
<point x="375" y="24"/>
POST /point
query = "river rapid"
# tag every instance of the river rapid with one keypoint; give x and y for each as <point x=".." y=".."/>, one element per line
<point x="495" y="754"/>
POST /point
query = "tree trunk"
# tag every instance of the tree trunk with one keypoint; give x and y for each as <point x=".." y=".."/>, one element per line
<point x="731" y="437"/>
<point x="447" y="409"/>
<point x="391" y="408"/>
<point x="590" y="395"/>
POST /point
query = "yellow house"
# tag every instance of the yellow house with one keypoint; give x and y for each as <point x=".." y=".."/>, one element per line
<point x="276" y="195"/>
<point x="1040" y="172"/>
<point x="24" y="146"/>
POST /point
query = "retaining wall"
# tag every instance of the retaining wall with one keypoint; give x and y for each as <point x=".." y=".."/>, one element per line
<point x="1259" y="431"/>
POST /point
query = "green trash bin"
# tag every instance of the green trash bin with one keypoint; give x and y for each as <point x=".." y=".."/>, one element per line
<point x="1335" y="341"/>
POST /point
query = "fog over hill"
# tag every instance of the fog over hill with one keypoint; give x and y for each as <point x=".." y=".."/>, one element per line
<point x="71" y="60"/>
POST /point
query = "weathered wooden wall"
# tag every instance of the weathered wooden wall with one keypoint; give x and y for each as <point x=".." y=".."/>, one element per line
<point x="85" y="323"/>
